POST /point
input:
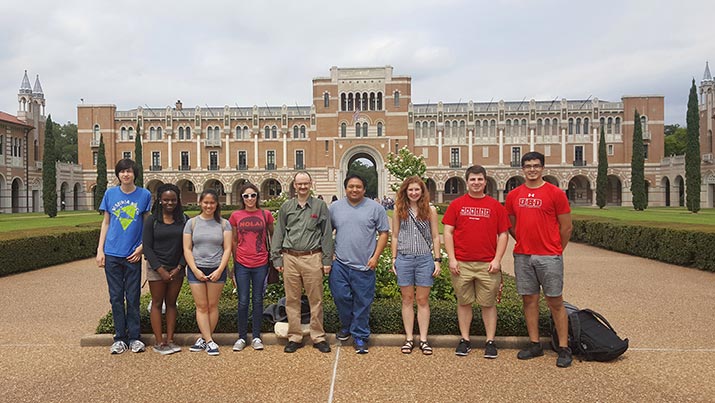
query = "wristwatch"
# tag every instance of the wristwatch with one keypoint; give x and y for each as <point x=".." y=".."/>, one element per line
<point x="438" y="259"/>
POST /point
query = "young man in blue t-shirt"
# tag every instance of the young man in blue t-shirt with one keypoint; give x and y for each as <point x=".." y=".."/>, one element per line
<point x="120" y="252"/>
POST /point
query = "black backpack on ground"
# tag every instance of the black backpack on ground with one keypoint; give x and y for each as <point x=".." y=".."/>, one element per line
<point x="590" y="335"/>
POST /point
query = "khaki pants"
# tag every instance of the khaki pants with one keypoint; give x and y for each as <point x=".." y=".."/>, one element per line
<point x="304" y="272"/>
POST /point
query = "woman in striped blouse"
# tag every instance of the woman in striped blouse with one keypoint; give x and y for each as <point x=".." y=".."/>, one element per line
<point x="416" y="256"/>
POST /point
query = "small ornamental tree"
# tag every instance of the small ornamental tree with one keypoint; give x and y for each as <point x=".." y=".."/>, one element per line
<point x="602" y="177"/>
<point x="692" y="154"/>
<point x="101" y="187"/>
<point x="405" y="164"/>
<point x="640" y="199"/>
<point x="49" y="171"/>
<point x="139" y="180"/>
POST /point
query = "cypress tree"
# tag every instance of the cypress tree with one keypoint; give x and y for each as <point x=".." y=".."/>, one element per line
<point x="49" y="170"/>
<point x="640" y="199"/>
<point x="602" y="177"/>
<point x="139" y="180"/>
<point x="692" y="153"/>
<point x="101" y="187"/>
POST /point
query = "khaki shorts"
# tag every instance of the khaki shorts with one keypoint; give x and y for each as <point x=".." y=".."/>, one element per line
<point x="152" y="275"/>
<point x="475" y="283"/>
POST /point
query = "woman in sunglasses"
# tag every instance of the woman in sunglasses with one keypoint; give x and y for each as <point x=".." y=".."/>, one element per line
<point x="250" y="224"/>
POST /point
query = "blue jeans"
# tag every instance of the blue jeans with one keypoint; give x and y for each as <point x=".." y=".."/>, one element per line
<point x="124" y="281"/>
<point x="253" y="280"/>
<point x="353" y="292"/>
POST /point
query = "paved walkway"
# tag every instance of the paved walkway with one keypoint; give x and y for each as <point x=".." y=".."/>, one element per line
<point x="665" y="310"/>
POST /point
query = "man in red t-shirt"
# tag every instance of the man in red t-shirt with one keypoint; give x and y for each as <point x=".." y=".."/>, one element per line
<point x="475" y="237"/>
<point x="541" y="225"/>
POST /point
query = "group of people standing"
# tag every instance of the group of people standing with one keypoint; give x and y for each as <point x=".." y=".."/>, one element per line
<point x="309" y="240"/>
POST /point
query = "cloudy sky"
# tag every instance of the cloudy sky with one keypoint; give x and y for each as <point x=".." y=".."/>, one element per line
<point x="135" y="53"/>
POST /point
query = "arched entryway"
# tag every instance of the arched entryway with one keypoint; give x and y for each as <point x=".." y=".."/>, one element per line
<point x="579" y="191"/>
<point x="680" y="185"/>
<point x="188" y="192"/>
<point x="453" y="188"/>
<point x="153" y="185"/>
<point x="371" y="164"/>
<point x="216" y="185"/>
<point x="64" y="187"/>
<point x="2" y="194"/>
<point x="75" y="196"/>
<point x="363" y="164"/>
<point x="432" y="189"/>
<point x="492" y="189"/>
<point x="270" y="189"/>
<point x="512" y="184"/>
<point x="552" y="180"/>
<point x="613" y="192"/>
<point x="15" y="195"/>
<point x="665" y="185"/>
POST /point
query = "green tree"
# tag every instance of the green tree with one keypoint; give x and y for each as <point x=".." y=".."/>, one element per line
<point x="101" y="187"/>
<point x="602" y="177"/>
<point x="405" y="164"/>
<point x="66" y="142"/>
<point x="640" y="199"/>
<point x="369" y="173"/>
<point x="692" y="153"/>
<point x="675" y="140"/>
<point x="139" y="180"/>
<point x="49" y="170"/>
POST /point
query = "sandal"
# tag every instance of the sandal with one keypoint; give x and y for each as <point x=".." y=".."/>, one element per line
<point x="425" y="347"/>
<point x="408" y="346"/>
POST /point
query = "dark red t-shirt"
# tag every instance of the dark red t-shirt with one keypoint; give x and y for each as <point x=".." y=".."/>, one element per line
<point x="476" y="222"/>
<point x="251" y="230"/>
<point x="536" y="211"/>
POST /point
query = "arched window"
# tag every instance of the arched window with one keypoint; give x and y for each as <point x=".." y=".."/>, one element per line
<point x="239" y="133"/>
<point x="351" y="102"/>
<point x="432" y="129"/>
<point x="379" y="101"/>
<point x="379" y="129"/>
<point x="618" y="125"/>
<point x="358" y="101"/>
<point x="302" y="131"/>
<point x="585" y="126"/>
<point x="343" y="102"/>
<point x="159" y="133"/>
<point x="555" y="127"/>
<point x="152" y="133"/>
<point x="570" y="126"/>
<point x="524" y="128"/>
<point x="372" y="101"/>
<point x="295" y="132"/>
<point x="123" y="132"/>
<point x="267" y="132"/>
<point x="357" y="129"/>
<point x="365" y="103"/>
<point x="644" y="122"/>
<point x="181" y="132"/>
<point x="364" y="129"/>
<point x="188" y="133"/>
<point x="609" y="126"/>
<point x="507" y="129"/>
<point x="547" y="126"/>
<point x="397" y="99"/>
<point x="539" y="127"/>
<point x="326" y="100"/>
<point x="343" y="130"/>
<point x="578" y="125"/>
<point x="274" y="132"/>
<point x="130" y="132"/>
<point x="96" y="133"/>
<point x="602" y="122"/>
<point x="493" y="127"/>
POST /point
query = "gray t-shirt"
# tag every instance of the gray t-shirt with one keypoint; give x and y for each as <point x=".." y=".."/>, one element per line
<point x="207" y="238"/>
<point x="356" y="229"/>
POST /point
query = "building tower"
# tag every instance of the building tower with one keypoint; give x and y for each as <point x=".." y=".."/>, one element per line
<point x="707" y="106"/>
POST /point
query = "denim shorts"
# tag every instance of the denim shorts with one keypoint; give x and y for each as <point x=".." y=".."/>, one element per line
<point x="414" y="270"/>
<point x="206" y="270"/>
<point x="532" y="271"/>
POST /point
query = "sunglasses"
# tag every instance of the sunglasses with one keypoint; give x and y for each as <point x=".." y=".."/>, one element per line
<point x="249" y="195"/>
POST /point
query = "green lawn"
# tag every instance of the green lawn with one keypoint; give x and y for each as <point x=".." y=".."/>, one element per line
<point x="671" y="217"/>
<point x="27" y="224"/>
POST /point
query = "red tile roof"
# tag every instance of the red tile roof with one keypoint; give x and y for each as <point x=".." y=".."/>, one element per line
<point x="6" y="117"/>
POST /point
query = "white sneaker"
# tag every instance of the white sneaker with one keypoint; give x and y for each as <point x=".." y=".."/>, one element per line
<point x="257" y="344"/>
<point x="174" y="347"/>
<point x="118" y="347"/>
<point x="212" y="348"/>
<point x="200" y="345"/>
<point x="239" y="345"/>
<point x="162" y="349"/>
<point x="137" y="346"/>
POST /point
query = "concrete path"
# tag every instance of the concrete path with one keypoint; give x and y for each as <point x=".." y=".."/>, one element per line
<point x="665" y="310"/>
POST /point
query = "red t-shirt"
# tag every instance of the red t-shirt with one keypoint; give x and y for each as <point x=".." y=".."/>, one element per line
<point x="476" y="222"/>
<point x="536" y="211"/>
<point x="250" y="229"/>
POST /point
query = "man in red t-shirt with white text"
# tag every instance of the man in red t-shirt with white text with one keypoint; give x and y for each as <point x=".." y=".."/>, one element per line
<point x="475" y="237"/>
<point x="541" y="225"/>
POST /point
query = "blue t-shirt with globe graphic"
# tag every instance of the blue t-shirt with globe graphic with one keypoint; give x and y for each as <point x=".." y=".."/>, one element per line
<point x="126" y="219"/>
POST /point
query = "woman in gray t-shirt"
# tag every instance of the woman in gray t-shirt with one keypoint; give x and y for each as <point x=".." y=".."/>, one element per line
<point x="207" y="248"/>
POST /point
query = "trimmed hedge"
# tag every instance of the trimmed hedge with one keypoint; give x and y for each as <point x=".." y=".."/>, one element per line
<point x="676" y="246"/>
<point x="25" y="254"/>
<point x="385" y="316"/>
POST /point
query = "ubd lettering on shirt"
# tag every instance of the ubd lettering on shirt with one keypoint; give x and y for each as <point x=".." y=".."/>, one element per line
<point x="476" y="212"/>
<point x="530" y="201"/>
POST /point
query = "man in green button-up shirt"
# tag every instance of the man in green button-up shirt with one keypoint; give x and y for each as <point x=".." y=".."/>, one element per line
<point x="302" y="248"/>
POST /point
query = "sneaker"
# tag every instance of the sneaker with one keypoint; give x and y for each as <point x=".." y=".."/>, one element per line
<point x="360" y="346"/>
<point x="174" y="347"/>
<point x="490" y="350"/>
<point x="565" y="358"/>
<point x="342" y="335"/>
<point x="118" y="347"/>
<point x="322" y="346"/>
<point x="239" y="345"/>
<point x="212" y="348"/>
<point x="533" y="350"/>
<point x="463" y="348"/>
<point x="292" y="347"/>
<point x="257" y="343"/>
<point x="200" y="345"/>
<point x="137" y="346"/>
<point x="163" y="349"/>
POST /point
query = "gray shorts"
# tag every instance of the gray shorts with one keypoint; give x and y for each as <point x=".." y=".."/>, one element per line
<point x="534" y="271"/>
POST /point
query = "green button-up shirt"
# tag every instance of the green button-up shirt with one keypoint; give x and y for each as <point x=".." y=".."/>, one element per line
<point x="303" y="229"/>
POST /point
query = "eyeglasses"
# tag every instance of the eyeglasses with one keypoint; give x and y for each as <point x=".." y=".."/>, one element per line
<point x="249" y="195"/>
<point x="535" y="166"/>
